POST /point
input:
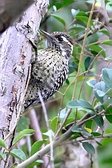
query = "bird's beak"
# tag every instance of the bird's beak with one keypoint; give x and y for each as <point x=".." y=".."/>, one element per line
<point x="45" y="34"/>
<point x="48" y="36"/>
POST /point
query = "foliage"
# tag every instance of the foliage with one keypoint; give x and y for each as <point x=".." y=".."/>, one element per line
<point x="86" y="98"/>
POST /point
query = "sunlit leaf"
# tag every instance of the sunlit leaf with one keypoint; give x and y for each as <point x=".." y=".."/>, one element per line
<point x="62" y="113"/>
<point x="74" y="12"/>
<point x="105" y="31"/>
<point x="88" y="129"/>
<point x="107" y="42"/>
<point x="83" y="19"/>
<point x="91" y="82"/>
<point x="49" y="133"/>
<point x="36" y="146"/>
<point x="23" y="134"/>
<point x="54" y="123"/>
<point x="2" y="143"/>
<point x="100" y="93"/>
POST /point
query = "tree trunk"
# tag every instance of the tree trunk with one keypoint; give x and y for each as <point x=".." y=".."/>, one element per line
<point x="10" y="10"/>
<point x="15" y="56"/>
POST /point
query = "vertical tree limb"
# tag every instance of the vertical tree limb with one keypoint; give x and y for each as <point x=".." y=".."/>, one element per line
<point x="15" y="56"/>
<point x="10" y="10"/>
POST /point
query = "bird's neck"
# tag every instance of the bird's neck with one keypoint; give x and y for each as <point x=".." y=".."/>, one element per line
<point x="66" y="51"/>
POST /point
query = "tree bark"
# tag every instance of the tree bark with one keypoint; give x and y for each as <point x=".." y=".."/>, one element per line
<point x="15" y="56"/>
<point x="10" y="10"/>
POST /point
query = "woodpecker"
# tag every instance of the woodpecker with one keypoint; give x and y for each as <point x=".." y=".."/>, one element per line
<point x="50" y="69"/>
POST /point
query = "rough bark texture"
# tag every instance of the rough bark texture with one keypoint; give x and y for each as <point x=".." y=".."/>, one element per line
<point x="15" y="56"/>
<point x="10" y="10"/>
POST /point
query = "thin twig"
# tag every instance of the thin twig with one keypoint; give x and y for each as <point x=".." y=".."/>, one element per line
<point x="60" y="128"/>
<point x="48" y="128"/>
<point x="56" y="143"/>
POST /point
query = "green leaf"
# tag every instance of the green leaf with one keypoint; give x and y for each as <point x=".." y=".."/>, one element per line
<point x="72" y="66"/>
<point x="105" y="31"/>
<point x="36" y="146"/>
<point x="88" y="147"/>
<point x="107" y="42"/>
<point x="83" y="19"/>
<point x="80" y="104"/>
<point x="39" y="161"/>
<point x="36" y="163"/>
<point x="108" y="104"/>
<point x="59" y="19"/>
<point x="87" y="63"/>
<point x="109" y="118"/>
<point x="54" y="123"/>
<point x="97" y="49"/>
<point x="49" y="133"/>
<point x="77" y="129"/>
<point x="107" y="77"/>
<point x="77" y="28"/>
<point x="91" y="82"/>
<point x="74" y="12"/>
<point x="67" y="81"/>
<point x="100" y="93"/>
<point x="108" y="114"/>
<point x="62" y="114"/>
<point x="99" y="121"/>
<point x="100" y="88"/>
<point x="23" y="124"/>
<point x="76" y="132"/>
<point x="60" y="4"/>
<point x="2" y="143"/>
<point x="109" y="93"/>
<point x="99" y="143"/>
<point x="2" y="155"/>
<point x="96" y="134"/>
<point x="80" y="130"/>
<point x="98" y="97"/>
<point x="18" y="153"/>
<point x="23" y="134"/>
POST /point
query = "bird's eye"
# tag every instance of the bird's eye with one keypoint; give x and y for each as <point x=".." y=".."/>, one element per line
<point x="59" y="38"/>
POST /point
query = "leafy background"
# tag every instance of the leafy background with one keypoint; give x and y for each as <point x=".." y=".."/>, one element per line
<point x="89" y="83"/>
<point x="72" y="16"/>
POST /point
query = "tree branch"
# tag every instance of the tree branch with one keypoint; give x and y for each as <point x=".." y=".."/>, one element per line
<point x="15" y="56"/>
<point x="56" y="143"/>
<point x="10" y="10"/>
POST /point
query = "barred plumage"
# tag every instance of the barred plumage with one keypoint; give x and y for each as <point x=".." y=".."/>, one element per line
<point x="50" y="69"/>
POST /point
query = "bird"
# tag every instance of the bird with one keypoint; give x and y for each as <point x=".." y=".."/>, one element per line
<point x="50" y="69"/>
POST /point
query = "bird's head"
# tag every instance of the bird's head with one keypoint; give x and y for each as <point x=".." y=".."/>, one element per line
<point x="61" y="41"/>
